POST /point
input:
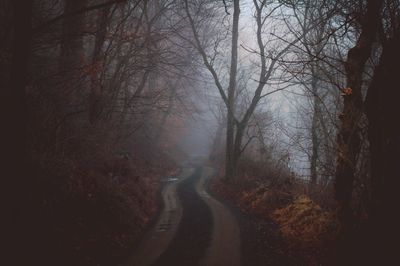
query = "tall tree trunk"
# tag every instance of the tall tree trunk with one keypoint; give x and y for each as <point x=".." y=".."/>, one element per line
<point x="19" y="74"/>
<point x="315" y="141"/>
<point x="383" y="111"/>
<point x="16" y="166"/>
<point x="217" y="142"/>
<point x="71" y="56"/>
<point x="349" y="132"/>
<point x="230" y="166"/>
<point x="97" y="65"/>
<point x="71" y="40"/>
<point x="237" y="148"/>
<point x="70" y="67"/>
<point x="159" y="132"/>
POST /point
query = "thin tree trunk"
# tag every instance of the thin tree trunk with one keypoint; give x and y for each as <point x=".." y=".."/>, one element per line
<point x="215" y="148"/>
<point x="230" y="167"/>
<point x="72" y="41"/>
<point x="237" y="149"/>
<point x="160" y="130"/>
<point x="97" y="65"/>
<point x="314" y="132"/>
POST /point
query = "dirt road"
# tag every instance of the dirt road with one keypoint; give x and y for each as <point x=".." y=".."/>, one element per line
<point x="193" y="228"/>
<point x="159" y="237"/>
<point x="224" y="248"/>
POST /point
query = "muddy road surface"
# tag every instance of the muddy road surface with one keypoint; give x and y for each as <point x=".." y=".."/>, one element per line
<point x="193" y="228"/>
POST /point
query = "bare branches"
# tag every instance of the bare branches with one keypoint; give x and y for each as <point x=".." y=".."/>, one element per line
<point x="44" y="25"/>
<point x="226" y="7"/>
<point x="203" y="54"/>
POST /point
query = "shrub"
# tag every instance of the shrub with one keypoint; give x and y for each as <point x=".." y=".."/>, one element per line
<point x="305" y="221"/>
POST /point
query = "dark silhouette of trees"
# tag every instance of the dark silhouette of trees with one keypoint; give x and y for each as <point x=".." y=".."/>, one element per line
<point x="94" y="83"/>
<point x="15" y="82"/>
<point x="348" y="136"/>
<point x="383" y="134"/>
<point x="103" y="91"/>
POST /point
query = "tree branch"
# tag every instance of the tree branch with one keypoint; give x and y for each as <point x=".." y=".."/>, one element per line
<point x="48" y="23"/>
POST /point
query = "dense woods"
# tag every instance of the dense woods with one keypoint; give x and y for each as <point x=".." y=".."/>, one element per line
<point x="298" y="98"/>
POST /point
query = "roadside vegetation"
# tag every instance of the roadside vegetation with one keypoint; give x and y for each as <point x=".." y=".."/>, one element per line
<point x="307" y="223"/>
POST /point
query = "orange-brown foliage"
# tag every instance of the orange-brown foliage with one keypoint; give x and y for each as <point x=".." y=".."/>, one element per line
<point x="305" y="221"/>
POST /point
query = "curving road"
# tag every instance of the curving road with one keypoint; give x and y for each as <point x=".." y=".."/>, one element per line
<point x="224" y="248"/>
<point x="193" y="228"/>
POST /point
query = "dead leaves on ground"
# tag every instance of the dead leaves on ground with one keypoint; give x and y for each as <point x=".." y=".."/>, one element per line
<point x="305" y="221"/>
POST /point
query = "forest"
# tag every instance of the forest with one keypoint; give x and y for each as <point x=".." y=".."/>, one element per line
<point x="271" y="123"/>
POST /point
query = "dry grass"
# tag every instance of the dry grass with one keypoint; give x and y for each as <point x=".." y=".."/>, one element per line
<point x="305" y="221"/>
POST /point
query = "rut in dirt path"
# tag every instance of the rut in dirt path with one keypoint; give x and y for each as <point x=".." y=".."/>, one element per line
<point x="193" y="228"/>
<point x="225" y="245"/>
<point x="193" y="236"/>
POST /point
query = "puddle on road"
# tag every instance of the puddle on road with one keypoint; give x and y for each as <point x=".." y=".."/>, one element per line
<point x="170" y="179"/>
<point x="164" y="227"/>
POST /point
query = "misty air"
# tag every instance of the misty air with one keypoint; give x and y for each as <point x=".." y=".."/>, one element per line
<point x="200" y="132"/>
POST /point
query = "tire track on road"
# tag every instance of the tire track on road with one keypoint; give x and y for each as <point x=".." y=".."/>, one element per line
<point x="157" y="240"/>
<point x="193" y="237"/>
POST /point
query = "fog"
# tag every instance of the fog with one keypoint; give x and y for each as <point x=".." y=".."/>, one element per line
<point x="199" y="134"/>
<point x="137" y="121"/>
<point x="281" y="106"/>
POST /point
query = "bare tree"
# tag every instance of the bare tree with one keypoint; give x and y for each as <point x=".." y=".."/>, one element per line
<point x="310" y="70"/>
<point x="236" y="126"/>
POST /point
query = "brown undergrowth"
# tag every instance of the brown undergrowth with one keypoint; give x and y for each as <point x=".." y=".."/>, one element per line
<point x="93" y="210"/>
<point x="307" y="228"/>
